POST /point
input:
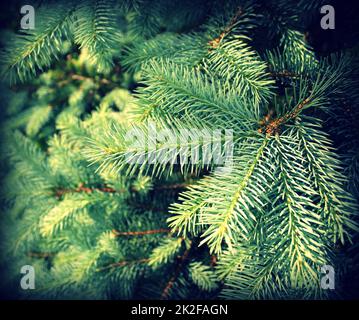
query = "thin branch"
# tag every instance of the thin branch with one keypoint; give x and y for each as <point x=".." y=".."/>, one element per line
<point x="81" y="188"/>
<point x="285" y="74"/>
<point x="171" y="282"/>
<point x="213" y="261"/>
<point x="173" y="186"/>
<point x="273" y="126"/>
<point x="123" y="263"/>
<point x="42" y="255"/>
<point x="228" y="28"/>
<point x="77" y="77"/>
<point x="140" y="233"/>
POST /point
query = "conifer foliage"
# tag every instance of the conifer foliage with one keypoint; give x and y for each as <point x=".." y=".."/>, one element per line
<point x="98" y="218"/>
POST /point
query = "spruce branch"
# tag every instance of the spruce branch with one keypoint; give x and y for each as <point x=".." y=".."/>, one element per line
<point x="241" y="70"/>
<point x="33" y="50"/>
<point x="260" y="228"/>
<point x="218" y="203"/>
<point x="97" y="32"/>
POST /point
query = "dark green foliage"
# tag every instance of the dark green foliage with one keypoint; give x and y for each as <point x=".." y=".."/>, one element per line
<point x="96" y="222"/>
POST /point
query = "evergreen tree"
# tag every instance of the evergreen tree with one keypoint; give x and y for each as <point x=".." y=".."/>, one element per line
<point x="101" y="217"/>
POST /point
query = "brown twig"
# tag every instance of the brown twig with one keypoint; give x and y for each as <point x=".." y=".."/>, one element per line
<point x="213" y="260"/>
<point x="81" y="188"/>
<point x="285" y="74"/>
<point x="140" y="233"/>
<point x="42" y="255"/>
<point x="78" y="77"/>
<point x="170" y="283"/>
<point x="271" y="127"/>
<point x="173" y="186"/>
<point x="228" y="28"/>
<point x="123" y="263"/>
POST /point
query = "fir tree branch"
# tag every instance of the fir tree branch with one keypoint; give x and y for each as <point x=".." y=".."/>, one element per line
<point x="35" y="49"/>
<point x="96" y="31"/>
